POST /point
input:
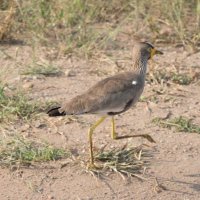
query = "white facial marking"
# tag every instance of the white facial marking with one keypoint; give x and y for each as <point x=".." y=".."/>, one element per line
<point x="134" y="82"/>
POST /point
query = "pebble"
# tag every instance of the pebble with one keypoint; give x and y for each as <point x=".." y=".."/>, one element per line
<point x="28" y="85"/>
<point x="39" y="77"/>
<point x="41" y="126"/>
<point x="50" y="197"/>
<point x="26" y="78"/>
<point x="70" y="73"/>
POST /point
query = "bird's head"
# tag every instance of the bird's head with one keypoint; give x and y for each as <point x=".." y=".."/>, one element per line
<point x="145" y="50"/>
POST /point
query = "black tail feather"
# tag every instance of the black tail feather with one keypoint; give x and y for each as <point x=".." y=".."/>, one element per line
<point x="54" y="112"/>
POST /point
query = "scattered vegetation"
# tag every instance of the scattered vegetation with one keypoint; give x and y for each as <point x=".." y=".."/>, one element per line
<point x="179" y="123"/>
<point x="129" y="161"/>
<point x="181" y="79"/>
<point x="17" y="151"/>
<point x="87" y="28"/>
<point x="91" y="25"/>
<point x="17" y="106"/>
<point x="42" y="69"/>
<point x="151" y="98"/>
<point x="163" y="77"/>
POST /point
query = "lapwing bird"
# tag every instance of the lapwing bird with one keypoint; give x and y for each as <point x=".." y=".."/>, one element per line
<point x="113" y="95"/>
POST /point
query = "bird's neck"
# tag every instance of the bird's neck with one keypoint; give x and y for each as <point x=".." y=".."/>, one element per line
<point x="140" y="66"/>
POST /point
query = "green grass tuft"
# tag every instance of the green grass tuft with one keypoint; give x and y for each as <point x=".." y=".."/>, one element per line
<point x="17" y="106"/>
<point x="181" y="124"/>
<point x="163" y="76"/>
<point x="42" y="69"/>
<point x="181" y="79"/>
<point x="18" y="151"/>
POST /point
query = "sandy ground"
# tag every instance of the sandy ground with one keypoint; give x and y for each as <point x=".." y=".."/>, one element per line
<point x="175" y="162"/>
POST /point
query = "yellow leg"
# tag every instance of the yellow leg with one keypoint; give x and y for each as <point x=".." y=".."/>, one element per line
<point x="90" y="132"/>
<point x="114" y="134"/>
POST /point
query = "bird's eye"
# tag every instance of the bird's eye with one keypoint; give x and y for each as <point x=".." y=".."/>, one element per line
<point x="149" y="49"/>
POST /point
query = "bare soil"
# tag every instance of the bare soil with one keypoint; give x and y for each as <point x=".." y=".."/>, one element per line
<point x="175" y="162"/>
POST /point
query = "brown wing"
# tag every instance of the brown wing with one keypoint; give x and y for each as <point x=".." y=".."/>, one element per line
<point x="108" y="95"/>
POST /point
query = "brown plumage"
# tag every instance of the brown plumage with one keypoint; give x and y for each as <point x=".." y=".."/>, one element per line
<point x="113" y="95"/>
<point x="109" y="95"/>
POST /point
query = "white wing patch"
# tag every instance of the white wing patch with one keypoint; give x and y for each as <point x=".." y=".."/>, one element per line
<point x="134" y="82"/>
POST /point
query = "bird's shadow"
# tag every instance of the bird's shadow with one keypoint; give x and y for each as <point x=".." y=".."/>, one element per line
<point x="194" y="186"/>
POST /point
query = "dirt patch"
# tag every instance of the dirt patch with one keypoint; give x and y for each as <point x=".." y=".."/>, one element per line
<point x="174" y="171"/>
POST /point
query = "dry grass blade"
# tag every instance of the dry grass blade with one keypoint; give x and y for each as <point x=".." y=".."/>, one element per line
<point x="129" y="161"/>
<point x="7" y="14"/>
